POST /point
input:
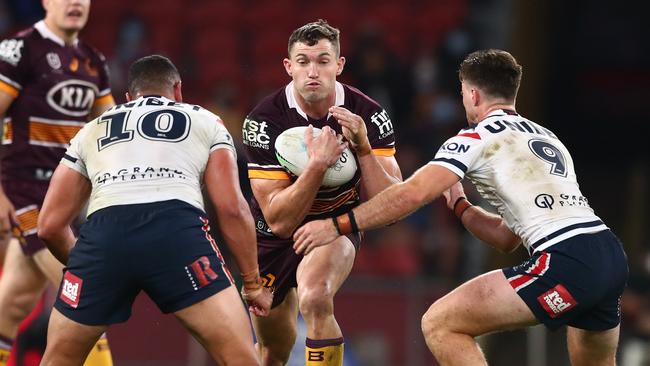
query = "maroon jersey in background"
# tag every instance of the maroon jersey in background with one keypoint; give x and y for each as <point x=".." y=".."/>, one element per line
<point x="55" y="87"/>
<point x="280" y="111"/>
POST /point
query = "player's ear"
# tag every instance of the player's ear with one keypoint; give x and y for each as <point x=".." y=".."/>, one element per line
<point x="128" y="97"/>
<point x="287" y="66"/>
<point x="178" y="94"/>
<point x="476" y="96"/>
<point x="340" y="63"/>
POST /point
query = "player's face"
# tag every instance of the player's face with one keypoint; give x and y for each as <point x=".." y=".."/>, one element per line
<point x="469" y="103"/>
<point x="314" y="69"/>
<point x="67" y="16"/>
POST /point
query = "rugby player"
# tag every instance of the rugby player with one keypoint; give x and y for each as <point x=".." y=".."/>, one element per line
<point x="577" y="269"/>
<point x="140" y="166"/>
<point x="282" y="202"/>
<point x="51" y="84"/>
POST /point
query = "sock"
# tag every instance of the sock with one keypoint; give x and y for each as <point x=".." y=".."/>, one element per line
<point x="100" y="355"/>
<point x="324" y="352"/>
<point x="5" y="349"/>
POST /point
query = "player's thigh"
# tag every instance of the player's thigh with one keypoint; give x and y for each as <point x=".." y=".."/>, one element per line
<point x="69" y="342"/>
<point x="49" y="266"/>
<point x="21" y="279"/>
<point x="592" y="347"/>
<point x="278" y="329"/>
<point x="325" y="268"/>
<point x="481" y="305"/>
<point x="220" y="323"/>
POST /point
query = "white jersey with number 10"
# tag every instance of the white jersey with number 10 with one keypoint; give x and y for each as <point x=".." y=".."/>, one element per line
<point x="133" y="149"/>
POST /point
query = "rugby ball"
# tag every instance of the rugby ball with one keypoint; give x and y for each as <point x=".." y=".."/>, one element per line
<point x="291" y="151"/>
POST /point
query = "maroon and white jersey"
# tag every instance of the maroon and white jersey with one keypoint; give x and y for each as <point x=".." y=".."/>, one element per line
<point x="280" y="111"/>
<point x="55" y="87"/>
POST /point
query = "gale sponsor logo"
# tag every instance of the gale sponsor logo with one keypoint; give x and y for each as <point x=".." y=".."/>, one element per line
<point x="72" y="97"/>
<point x="556" y="301"/>
<point x="572" y="200"/>
<point x="544" y="201"/>
<point x="71" y="289"/>
<point x="255" y="134"/>
<point x="10" y="51"/>
<point x="382" y="120"/>
<point x="454" y="147"/>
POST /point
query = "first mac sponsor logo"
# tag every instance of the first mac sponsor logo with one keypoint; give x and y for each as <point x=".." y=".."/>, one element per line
<point x="71" y="289"/>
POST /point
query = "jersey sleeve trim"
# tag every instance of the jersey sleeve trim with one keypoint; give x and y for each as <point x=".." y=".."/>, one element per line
<point x="390" y="151"/>
<point x="106" y="99"/>
<point x="454" y="165"/>
<point x="74" y="166"/>
<point x="9" y="89"/>
<point x="268" y="174"/>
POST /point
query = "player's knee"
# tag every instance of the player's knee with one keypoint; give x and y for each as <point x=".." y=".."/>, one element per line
<point x="433" y="327"/>
<point x="316" y="302"/>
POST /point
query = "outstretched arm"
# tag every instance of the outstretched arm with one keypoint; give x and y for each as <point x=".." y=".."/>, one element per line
<point x="236" y="225"/>
<point x="390" y="205"/>
<point x="66" y="196"/>
<point x="486" y="226"/>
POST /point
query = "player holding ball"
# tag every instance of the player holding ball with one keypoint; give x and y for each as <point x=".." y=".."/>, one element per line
<point x="282" y="201"/>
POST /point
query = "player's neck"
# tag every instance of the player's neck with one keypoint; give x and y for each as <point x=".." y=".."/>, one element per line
<point x="316" y="110"/>
<point x="68" y="37"/>
<point x="493" y="107"/>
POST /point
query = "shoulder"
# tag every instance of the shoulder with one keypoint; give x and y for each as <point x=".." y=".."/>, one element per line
<point x="271" y="105"/>
<point x="358" y="99"/>
<point x="13" y="48"/>
<point x="93" y="53"/>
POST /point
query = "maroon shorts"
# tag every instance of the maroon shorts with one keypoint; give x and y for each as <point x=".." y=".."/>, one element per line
<point x="27" y="198"/>
<point x="279" y="263"/>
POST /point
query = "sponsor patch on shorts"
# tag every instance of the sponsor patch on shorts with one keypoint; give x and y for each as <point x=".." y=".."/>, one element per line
<point x="557" y="301"/>
<point x="71" y="289"/>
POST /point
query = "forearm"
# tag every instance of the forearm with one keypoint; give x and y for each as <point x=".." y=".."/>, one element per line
<point x="238" y="230"/>
<point x="489" y="228"/>
<point x="289" y="207"/>
<point x="374" y="176"/>
<point x="392" y="204"/>
<point x="59" y="242"/>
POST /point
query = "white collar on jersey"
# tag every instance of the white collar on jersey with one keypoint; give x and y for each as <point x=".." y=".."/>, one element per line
<point x="48" y="34"/>
<point x="291" y="98"/>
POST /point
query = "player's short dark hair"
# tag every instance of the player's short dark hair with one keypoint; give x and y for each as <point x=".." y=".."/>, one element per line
<point x="496" y="72"/>
<point x="152" y="73"/>
<point x="313" y="32"/>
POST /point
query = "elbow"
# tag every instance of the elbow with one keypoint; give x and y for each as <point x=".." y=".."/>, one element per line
<point x="509" y="246"/>
<point x="282" y="229"/>
<point x="47" y="233"/>
<point x="414" y="198"/>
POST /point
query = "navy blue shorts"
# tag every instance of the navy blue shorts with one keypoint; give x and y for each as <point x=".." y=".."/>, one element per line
<point x="163" y="248"/>
<point x="577" y="282"/>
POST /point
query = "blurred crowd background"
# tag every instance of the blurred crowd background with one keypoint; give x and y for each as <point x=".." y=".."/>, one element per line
<point x="586" y="76"/>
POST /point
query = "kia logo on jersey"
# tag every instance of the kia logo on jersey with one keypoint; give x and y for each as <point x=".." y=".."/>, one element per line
<point x="72" y="97"/>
